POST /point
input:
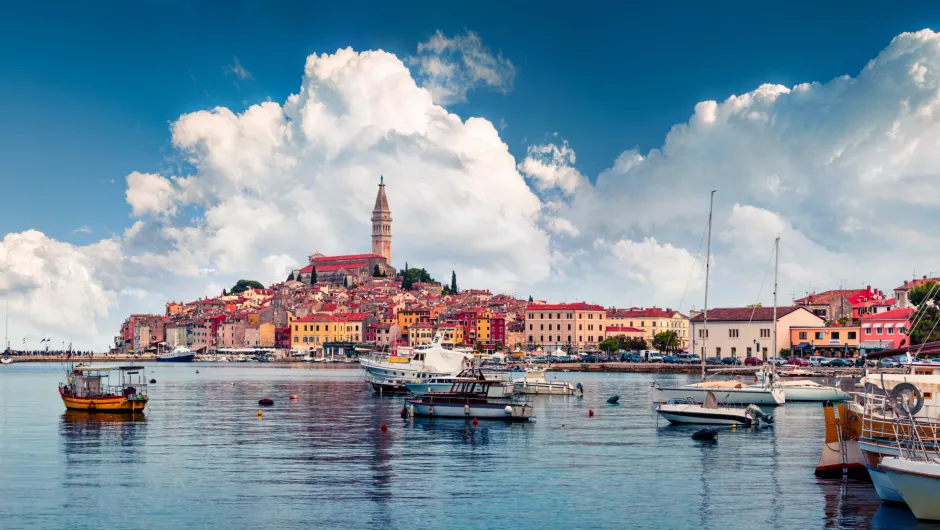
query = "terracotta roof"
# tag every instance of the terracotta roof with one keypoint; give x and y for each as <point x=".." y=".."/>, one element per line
<point x="894" y="314"/>
<point x="316" y="317"/>
<point x="916" y="282"/>
<point x="651" y="312"/>
<point x="745" y="314"/>
<point x="625" y="329"/>
<point x="826" y="297"/>
<point x="351" y="317"/>
<point x="579" y="306"/>
<point x="350" y="257"/>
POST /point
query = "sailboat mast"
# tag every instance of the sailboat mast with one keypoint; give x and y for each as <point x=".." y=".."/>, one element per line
<point x="774" y="349"/>
<point x="708" y="261"/>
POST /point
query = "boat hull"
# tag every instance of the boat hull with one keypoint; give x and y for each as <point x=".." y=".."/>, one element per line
<point x="918" y="485"/>
<point x="182" y="358"/>
<point x="478" y="411"/>
<point x="883" y="486"/>
<point x="560" y="388"/>
<point x="811" y="394"/>
<point x="689" y="415"/>
<point x="737" y="396"/>
<point x="105" y="404"/>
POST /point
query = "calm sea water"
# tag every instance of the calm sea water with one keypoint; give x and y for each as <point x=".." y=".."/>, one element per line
<point x="200" y="457"/>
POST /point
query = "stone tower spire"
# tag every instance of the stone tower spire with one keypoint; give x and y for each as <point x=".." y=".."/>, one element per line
<point x="382" y="225"/>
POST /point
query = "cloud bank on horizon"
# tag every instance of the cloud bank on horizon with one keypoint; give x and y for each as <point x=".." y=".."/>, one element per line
<point x="845" y="171"/>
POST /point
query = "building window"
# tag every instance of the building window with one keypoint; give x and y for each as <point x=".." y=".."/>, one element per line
<point x="541" y="315"/>
<point x="819" y="335"/>
<point x="549" y="327"/>
<point x="877" y="331"/>
<point x="530" y="338"/>
<point x="734" y="352"/>
<point x="748" y="351"/>
<point x="558" y="316"/>
<point x="835" y="334"/>
<point x="654" y="323"/>
<point x="802" y="335"/>
<point x="733" y="333"/>
<point x="718" y="351"/>
<point x="541" y="338"/>
<point x="569" y="338"/>
<point x="542" y="327"/>
<point x="296" y="328"/>
<point x="765" y="333"/>
<point x="890" y="331"/>
<point x="296" y="339"/>
<point x="580" y="327"/>
<point x="569" y="327"/>
<point x="642" y="324"/>
<point x="901" y="330"/>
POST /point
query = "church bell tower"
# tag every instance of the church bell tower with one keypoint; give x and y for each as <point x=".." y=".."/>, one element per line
<point x="382" y="225"/>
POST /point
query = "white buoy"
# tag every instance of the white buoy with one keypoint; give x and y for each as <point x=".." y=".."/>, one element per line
<point x="508" y="409"/>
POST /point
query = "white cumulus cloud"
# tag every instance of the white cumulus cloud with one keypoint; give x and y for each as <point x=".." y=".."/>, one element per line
<point x="452" y="66"/>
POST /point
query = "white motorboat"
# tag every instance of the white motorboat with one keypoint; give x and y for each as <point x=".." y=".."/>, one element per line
<point x="500" y="387"/>
<point x="471" y="396"/>
<point x="390" y="372"/>
<point x="918" y="482"/>
<point x="728" y="392"/>
<point x="710" y="413"/>
<point x="534" y="382"/>
<point x="179" y="354"/>
<point x="6" y="360"/>
<point x="810" y="391"/>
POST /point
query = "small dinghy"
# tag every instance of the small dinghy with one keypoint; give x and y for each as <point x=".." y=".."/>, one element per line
<point x="267" y="402"/>
<point x="613" y="400"/>
<point x="709" y="413"/>
<point x="705" y="434"/>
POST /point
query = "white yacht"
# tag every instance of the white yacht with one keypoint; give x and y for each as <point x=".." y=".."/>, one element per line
<point x="803" y="390"/>
<point x="390" y="372"/>
<point x="918" y="482"/>
<point x="534" y="382"/>
<point x="729" y="392"/>
<point x="710" y="413"/>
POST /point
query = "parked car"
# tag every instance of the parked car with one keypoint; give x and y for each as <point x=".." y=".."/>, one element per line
<point x="839" y="363"/>
<point x="711" y="361"/>
<point x="888" y="362"/>
<point x="632" y="358"/>
<point x="731" y="360"/>
<point x="797" y="361"/>
<point x="669" y="359"/>
<point x="815" y="360"/>
<point x="861" y="361"/>
<point x="690" y="358"/>
<point x="752" y="361"/>
<point x="654" y="358"/>
<point x="588" y="359"/>
<point x="778" y="361"/>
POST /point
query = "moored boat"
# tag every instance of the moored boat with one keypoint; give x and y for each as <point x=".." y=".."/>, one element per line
<point x="471" y="396"/>
<point x="534" y="382"/>
<point x="90" y="388"/>
<point x="918" y="482"/>
<point x="727" y="392"/>
<point x="390" y="372"/>
<point x="710" y="413"/>
<point x="179" y="354"/>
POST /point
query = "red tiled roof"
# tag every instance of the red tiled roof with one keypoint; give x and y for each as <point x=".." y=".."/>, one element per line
<point x="825" y="297"/>
<point x="625" y="329"/>
<point x="579" y="306"/>
<point x="349" y="257"/>
<point x="351" y="317"/>
<point x="894" y="314"/>
<point x="916" y="282"/>
<point x="316" y="317"/>
<point x="745" y="314"/>
<point x="651" y="312"/>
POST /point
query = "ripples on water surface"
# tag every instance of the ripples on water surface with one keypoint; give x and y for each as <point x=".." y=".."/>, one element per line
<point x="201" y="457"/>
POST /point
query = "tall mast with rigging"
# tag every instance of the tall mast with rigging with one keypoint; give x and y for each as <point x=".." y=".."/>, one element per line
<point x="708" y="260"/>
<point x="774" y="350"/>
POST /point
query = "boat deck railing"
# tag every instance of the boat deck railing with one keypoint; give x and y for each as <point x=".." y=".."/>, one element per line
<point x="881" y="421"/>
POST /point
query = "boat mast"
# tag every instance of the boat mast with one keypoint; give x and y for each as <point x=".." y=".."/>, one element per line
<point x="774" y="350"/>
<point x="708" y="260"/>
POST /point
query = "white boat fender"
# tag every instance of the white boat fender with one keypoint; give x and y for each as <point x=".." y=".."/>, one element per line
<point x="431" y="410"/>
<point x="412" y="410"/>
<point x="466" y="409"/>
<point x="508" y="409"/>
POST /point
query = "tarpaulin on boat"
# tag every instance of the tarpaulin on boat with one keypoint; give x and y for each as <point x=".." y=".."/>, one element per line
<point x="722" y="384"/>
<point x="439" y="360"/>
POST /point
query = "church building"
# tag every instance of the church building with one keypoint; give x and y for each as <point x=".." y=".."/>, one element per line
<point x="357" y="268"/>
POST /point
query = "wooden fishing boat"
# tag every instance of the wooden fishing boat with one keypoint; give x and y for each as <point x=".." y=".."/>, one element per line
<point x="472" y="396"/>
<point x="91" y="388"/>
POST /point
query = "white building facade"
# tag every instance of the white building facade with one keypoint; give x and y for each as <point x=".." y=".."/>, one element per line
<point x="742" y="332"/>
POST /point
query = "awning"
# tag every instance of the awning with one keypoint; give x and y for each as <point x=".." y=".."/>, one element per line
<point x="804" y="346"/>
<point x="875" y="344"/>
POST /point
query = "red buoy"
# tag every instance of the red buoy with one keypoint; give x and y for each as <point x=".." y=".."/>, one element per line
<point x="590" y="414"/>
<point x="384" y="427"/>
<point x="404" y="412"/>
<point x="197" y="371"/>
<point x="475" y="422"/>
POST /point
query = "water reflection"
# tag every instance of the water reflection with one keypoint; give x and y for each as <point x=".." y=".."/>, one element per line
<point x="464" y="432"/>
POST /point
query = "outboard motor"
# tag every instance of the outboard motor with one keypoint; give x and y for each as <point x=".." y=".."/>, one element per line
<point x="755" y="412"/>
<point x="579" y="388"/>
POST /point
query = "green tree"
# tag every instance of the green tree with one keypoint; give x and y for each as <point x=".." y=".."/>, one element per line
<point x="345" y="281"/>
<point x="530" y="299"/>
<point x="478" y="347"/>
<point x="637" y="344"/>
<point x="785" y="352"/>
<point x="405" y="282"/>
<point x="376" y="273"/>
<point x="291" y="276"/>
<point x="243" y="285"/>
<point x="608" y="345"/>
<point x="224" y="292"/>
<point x="927" y="328"/>
<point x="313" y="275"/>
<point x="666" y="341"/>
<point x="923" y="292"/>
<point x="453" y="282"/>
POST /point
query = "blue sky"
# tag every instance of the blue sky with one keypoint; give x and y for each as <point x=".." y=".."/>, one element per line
<point x="139" y="166"/>
<point x="88" y="90"/>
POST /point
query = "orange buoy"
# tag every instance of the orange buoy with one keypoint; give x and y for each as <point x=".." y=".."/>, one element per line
<point x="294" y="397"/>
<point x="384" y="427"/>
<point x="475" y="422"/>
<point x="259" y="414"/>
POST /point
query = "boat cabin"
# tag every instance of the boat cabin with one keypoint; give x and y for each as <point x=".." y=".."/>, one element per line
<point x="106" y="381"/>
